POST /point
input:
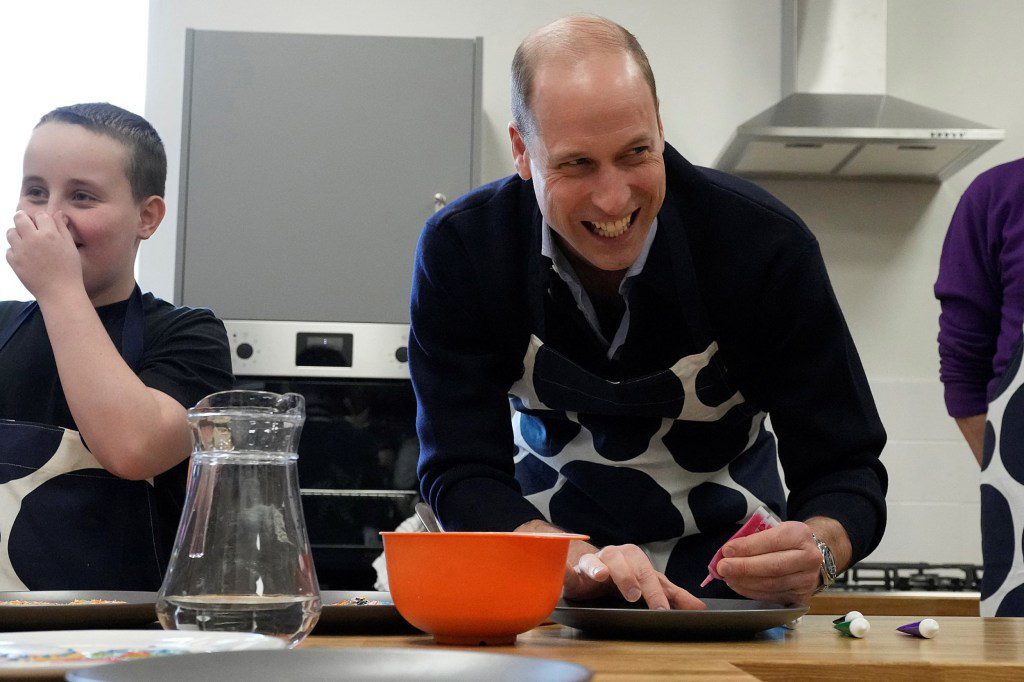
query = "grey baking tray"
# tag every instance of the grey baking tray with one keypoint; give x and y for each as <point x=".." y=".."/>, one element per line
<point x="724" y="618"/>
<point x="139" y="608"/>
<point x="378" y="619"/>
<point x="351" y="665"/>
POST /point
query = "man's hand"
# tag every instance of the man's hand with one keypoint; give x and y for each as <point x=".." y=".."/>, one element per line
<point x="43" y="254"/>
<point x="782" y="564"/>
<point x="627" y="570"/>
<point x="592" y="573"/>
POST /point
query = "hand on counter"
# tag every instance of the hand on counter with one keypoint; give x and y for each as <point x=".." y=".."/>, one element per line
<point x="595" y="573"/>
<point x="781" y="564"/>
<point x="591" y="573"/>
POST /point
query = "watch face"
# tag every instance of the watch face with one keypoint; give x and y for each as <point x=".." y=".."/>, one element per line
<point x="830" y="562"/>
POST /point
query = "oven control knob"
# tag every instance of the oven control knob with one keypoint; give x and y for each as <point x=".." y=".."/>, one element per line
<point x="402" y="354"/>
<point x="244" y="351"/>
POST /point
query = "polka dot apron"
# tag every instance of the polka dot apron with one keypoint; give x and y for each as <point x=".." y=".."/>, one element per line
<point x="1002" y="497"/>
<point x="65" y="522"/>
<point x="672" y="461"/>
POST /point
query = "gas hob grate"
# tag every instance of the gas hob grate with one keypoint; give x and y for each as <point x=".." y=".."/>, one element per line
<point x="889" y="577"/>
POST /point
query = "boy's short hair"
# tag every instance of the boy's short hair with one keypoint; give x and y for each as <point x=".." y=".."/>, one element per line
<point x="147" y="162"/>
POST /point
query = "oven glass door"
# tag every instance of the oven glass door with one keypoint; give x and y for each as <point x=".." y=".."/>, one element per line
<point x="357" y="469"/>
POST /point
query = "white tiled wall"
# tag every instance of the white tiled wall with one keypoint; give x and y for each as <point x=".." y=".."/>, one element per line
<point x="933" y="495"/>
<point x="933" y="498"/>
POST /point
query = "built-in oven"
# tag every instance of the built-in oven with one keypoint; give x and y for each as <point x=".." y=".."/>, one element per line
<point x="358" y="451"/>
<point x="313" y="213"/>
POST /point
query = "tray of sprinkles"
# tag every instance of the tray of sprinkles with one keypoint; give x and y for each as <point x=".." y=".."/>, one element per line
<point x="75" y="609"/>
<point x="360" y="612"/>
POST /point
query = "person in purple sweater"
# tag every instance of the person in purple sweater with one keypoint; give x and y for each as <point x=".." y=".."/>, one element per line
<point x="981" y="290"/>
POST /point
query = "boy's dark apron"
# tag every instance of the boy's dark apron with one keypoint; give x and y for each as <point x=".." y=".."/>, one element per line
<point x="65" y="522"/>
<point x="672" y="461"/>
<point x="1002" y="496"/>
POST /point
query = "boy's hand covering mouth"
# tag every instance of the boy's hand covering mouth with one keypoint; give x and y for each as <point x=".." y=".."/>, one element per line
<point x="43" y="254"/>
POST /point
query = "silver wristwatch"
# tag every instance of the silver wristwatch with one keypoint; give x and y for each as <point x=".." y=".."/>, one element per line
<point x="828" y="565"/>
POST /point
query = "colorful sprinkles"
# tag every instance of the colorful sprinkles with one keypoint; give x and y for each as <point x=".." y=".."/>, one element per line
<point x="361" y="601"/>
<point x="73" y="602"/>
<point x="76" y="656"/>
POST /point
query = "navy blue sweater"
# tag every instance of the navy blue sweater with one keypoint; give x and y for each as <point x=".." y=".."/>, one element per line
<point x="756" y="284"/>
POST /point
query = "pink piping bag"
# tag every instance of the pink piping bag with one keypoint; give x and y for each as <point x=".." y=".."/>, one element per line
<point x="762" y="519"/>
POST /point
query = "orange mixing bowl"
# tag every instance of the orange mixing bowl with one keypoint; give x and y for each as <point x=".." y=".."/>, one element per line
<point x="476" y="588"/>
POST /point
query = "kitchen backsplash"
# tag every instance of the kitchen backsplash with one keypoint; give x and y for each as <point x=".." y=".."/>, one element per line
<point x="933" y="496"/>
<point x="933" y="478"/>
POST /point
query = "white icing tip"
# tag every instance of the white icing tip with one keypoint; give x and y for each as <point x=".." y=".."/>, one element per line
<point x="929" y="627"/>
<point x="860" y="627"/>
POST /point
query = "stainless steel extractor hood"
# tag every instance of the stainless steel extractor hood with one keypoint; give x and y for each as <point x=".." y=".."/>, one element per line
<point x="838" y="123"/>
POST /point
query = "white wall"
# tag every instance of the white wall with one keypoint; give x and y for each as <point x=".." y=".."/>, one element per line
<point x="882" y="243"/>
<point x="705" y="83"/>
<point x="717" y="64"/>
<point x="106" y="63"/>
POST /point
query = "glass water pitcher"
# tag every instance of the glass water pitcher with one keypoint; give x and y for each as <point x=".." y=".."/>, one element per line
<point x="241" y="560"/>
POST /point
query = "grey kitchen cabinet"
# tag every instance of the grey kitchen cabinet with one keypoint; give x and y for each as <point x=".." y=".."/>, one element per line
<point x="309" y="165"/>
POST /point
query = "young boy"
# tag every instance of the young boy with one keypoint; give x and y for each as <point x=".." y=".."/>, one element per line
<point x="94" y="375"/>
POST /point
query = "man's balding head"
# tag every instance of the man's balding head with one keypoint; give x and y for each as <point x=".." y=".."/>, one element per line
<point x="568" y="39"/>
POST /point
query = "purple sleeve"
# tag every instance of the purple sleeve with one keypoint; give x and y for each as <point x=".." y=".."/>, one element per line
<point x="970" y="297"/>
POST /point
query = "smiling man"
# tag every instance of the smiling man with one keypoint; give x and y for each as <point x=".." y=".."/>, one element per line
<point x="641" y="317"/>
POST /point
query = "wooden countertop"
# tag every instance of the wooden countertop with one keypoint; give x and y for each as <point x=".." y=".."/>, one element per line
<point x="966" y="648"/>
<point x="922" y="604"/>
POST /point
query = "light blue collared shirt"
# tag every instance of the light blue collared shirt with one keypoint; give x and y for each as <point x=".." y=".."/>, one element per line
<point x="549" y="247"/>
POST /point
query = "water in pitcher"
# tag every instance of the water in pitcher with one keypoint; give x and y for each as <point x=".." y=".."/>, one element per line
<point x="286" y="617"/>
